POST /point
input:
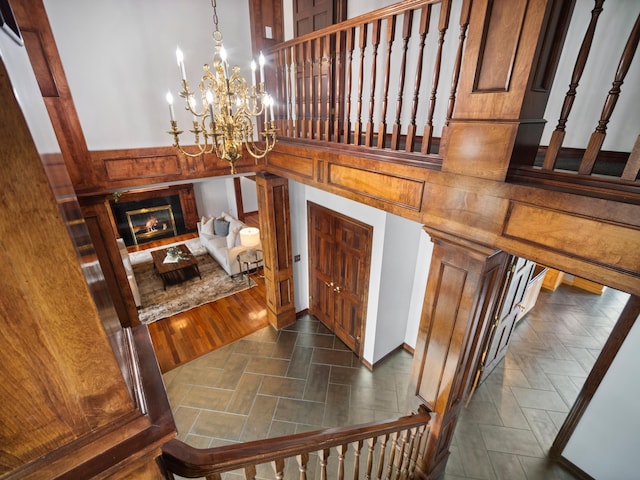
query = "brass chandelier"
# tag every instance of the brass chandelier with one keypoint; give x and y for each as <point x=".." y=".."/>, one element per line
<point x="225" y="125"/>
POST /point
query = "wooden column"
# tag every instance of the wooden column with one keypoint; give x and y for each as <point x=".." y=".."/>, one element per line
<point x="509" y="64"/>
<point x="275" y="232"/>
<point x="463" y="286"/>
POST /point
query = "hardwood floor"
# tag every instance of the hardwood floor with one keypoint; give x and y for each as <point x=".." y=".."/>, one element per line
<point x="184" y="337"/>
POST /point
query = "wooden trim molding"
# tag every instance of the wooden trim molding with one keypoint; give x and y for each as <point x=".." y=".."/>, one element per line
<point x="620" y="331"/>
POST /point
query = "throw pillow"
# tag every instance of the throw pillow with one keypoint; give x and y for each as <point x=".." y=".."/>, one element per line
<point x="231" y="238"/>
<point x="207" y="227"/>
<point x="221" y="227"/>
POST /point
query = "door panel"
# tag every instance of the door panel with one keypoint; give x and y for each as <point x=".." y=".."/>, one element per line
<point x="352" y="245"/>
<point x="509" y="308"/>
<point x="321" y="255"/>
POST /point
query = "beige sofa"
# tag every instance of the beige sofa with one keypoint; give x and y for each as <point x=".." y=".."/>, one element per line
<point x="222" y="243"/>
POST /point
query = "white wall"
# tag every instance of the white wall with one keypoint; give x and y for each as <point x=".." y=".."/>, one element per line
<point x="391" y="288"/>
<point x="423" y="261"/>
<point x="606" y="442"/>
<point x="249" y="195"/>
<point x="402" y="238"/>
<point x="119" y="59"/>
<point x="215" y="195"/>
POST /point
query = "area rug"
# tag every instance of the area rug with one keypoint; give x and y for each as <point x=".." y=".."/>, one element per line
<point x="158" y="303"/>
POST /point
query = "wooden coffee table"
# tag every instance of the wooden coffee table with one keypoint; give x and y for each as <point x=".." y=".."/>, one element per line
<point x="175" y="272"/>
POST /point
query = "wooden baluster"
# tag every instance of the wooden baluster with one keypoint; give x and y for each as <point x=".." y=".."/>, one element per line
<point x="278" y="468"/>
<point x="392" y="455"/>
<point x="281" y="73"/>
<point x="328" y="58"/>
<point x="597" y="137"/>
<point x="357" y="130"/>
<point x="406" y="34"/>
<point x="342" y="452"/>
<point x="375" y="43"/>
<point x="425" y="16"/>
<point x="383" y="447"/>
<point x="357" y="446"/>
<point x="290" y="73"/>
<point x="370" y="452"/>
<point x="415" y="454"/>
<point x="464" y="25"/>
<point x="443" y="25"/>
<point x="382" y="128"/>
<point x="324" y="457"/>
<point x="338" y="94"/>
<point x="406" y="462"/>
<point x="347" y="113"/>
<point x="401" y="446"/>
<point x="311" y="89"/>
<point x="633" y="163"/>
<point x="250" y="472"/>
<point x="302" y="94"/>
<point x="319" y="57"/>
<point x="303" y="461"/>
<point x="557" y="137"/>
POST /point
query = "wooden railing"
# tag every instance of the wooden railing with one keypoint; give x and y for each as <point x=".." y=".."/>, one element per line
<point x="593" y="149"/>
<point x="361" y="82"/>
<point x="390" y="449"/>
<point x="372" y="81"/>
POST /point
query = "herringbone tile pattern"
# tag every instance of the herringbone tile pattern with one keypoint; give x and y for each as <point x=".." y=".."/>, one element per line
<point x="515" y="414"/>
<point x="304" y="378"/>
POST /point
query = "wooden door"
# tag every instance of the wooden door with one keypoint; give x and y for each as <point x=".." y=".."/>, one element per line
<point x="515" y="284"/>
<point x="339" y="259"/>
<point x="321" y="254"/>
<point x="311" y="16"/>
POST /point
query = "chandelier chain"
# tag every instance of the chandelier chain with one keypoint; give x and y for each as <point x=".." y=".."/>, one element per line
<point x="215" y="14"/>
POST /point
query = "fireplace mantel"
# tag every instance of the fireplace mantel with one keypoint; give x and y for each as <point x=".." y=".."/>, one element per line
<point x="178" y="199"/>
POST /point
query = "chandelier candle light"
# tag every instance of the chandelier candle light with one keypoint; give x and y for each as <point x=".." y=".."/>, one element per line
<point x="225" y="126"/>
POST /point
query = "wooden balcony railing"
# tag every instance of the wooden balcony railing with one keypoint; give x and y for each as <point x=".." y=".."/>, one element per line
<point x="361" y="82"/>
<point x="390" y="449"/>
<point x="373" y="81"/>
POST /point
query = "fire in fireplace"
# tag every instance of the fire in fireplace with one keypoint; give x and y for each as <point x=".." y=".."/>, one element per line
<point x="148" y="224"/>
<point x="155" y="217"/>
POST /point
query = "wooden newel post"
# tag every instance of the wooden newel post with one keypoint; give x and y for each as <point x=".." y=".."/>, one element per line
<point x="275" y="232"/>
<point x="463" y="286"/>
<point x="510" y="59"/>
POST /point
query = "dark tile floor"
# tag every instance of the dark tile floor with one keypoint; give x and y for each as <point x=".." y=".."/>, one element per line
<point x="303" y="378"/>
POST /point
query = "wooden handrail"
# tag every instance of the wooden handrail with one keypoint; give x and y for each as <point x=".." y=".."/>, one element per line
<point x="187" y="461"/>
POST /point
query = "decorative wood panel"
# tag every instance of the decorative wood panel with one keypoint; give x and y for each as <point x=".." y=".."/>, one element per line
<point x="476" y="148"/>
<point x="295" y="164"/>
<point x="70" y="409"/>
<point x="499" y="45"/>
<point x="406" y="192"/>
<point x="275" y="232"/>
<point x="462" y="289"/>
<point x="142" y="167"/>
<point x="568" y="234"/>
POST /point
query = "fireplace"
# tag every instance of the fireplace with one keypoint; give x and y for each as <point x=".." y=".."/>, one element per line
<point x="145" y="216"/>
<point x="146" y="224"/>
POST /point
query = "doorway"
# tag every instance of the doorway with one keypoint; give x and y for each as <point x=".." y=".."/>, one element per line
<point x="339" y="264"/>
